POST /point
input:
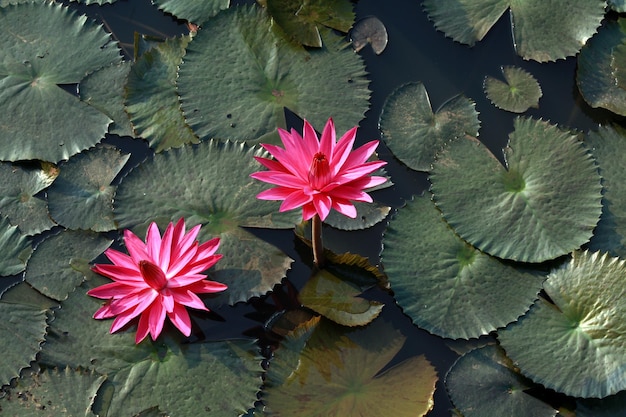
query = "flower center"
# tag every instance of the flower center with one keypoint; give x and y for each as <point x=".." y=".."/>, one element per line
<point x="319" y="172"/>
<point x="153" y="275"/>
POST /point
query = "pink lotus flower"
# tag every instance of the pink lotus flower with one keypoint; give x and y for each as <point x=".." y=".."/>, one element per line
<point x="160" y="278"/>
<point x="319" y="175"/>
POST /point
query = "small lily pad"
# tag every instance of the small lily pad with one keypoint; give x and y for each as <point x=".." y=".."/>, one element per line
<point x="520" y="91"/>
<point x="482" y="383"/>
<point x="369" y="30"/>
<point x="446" y="286"/>
<point x="414" y="133"/>
<point x="545" y="203"/>
<point x="576" y="344"/>
<point x="15" y="249"/>
<point x="195" y="11"/>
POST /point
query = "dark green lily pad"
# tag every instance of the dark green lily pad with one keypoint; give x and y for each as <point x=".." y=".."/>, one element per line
<point x="482" y="383"/>
<point x="82" y="195"/>
<point x="446" y="286"/>
<point x="15" y="249"/>
<point x="544" y="204"/>
<point x="57" y="266"/>
<point x="260" y="73"/>
<point x="577" y="345"/>
<point x="542" y="31"/>
<point x="520" y="92"/>
<point x="369" y="30"/>
<point x="302" y="19"/>
<point x="151" y="98"/>
<point x="337" y="371"/>
<point x="196" y="11"/>
<point x="210" y="184"/>
<point x="154" y="373"/>
<point x="414" y="133"/>
<point x="42" y="46"/>
<point x="18" y="186"/>
<point x="595" y="76"/>
<point x="56" y="393"/>
<point x="367" y="215"/>
<point x="22" y="331"/>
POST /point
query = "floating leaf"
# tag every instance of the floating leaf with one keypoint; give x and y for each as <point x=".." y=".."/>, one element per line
<point x="414" y="133"/>
<point x="14" y="249"/>
<point x="336" y="372"/>
<point x="55" y="268"/>
<point x="53" y="393"/>
<point x="617" y="5"/>
<point x="369" y="30"/>
<point x="577" y="345"/>
<point x="481" y="383"/>
<point x="520" y="91"/>
<point x="367" y="215"/>
<point x="446" y="286"/>
<point x="594" y="75"/>
<point x="260" y="73"/>
<point x="42" y="46"/>
<point x="196" y="11"/>
<point x="151" y="98"/>
<point x="302" y="19"/>
<point x="82" y="195"/>
<point x="18" y="187"/>
<point x="544" y="204"/>
<point x="22" y="331"/>
<point x="542" y="31"/>
<point x="210" y="184"/>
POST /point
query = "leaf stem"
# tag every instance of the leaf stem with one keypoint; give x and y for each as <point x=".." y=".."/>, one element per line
<point x="316" y="240"/>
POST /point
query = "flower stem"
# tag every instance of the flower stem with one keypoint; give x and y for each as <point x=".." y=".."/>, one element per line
<point x="316" y="239"/>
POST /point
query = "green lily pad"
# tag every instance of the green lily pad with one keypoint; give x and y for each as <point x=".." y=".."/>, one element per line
<point x="544" y="204"/>
<point x="612" y="406"/>
<point x="481" y="383"/>
<point x="82" y="195"/>
<point x="22" y="331"/>
<point x="154" y="373"/>
<point x="323" y="369"/>
<point x="23" y="293"/>
<point x="302" y="19"/>
<point x="260" y="73"/>
<point x="542" y="31"/>
<point x="210" y="184"/>
<point x="414" y="133"/>
<point x="446" y="286"/>
<point x="196" y="11"/>
<point x="15" y="249"/>
<point x="367" y="215"/>
<point x="56" y="393"/>
<point x="42" y="46"/>
<point x="520" y="92"/>
<point x="57" y="265"/>
<point x="369" y="30"/>
<point x="151" y="98"/>
<point x="577" y="345"/>
<point x="104" y="90"/>
<point x="595" y="76"/>
<point x="18" y="186"/>
<point x="617" y="5"/>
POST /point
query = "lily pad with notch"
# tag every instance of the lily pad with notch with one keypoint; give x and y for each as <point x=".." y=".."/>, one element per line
<point x="15" y="249"/>
<point x="369" y="30"/>
<point x="520" y="92"/>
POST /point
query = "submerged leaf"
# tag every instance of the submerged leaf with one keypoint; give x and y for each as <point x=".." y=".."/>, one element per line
<point x="369" y="30"/>
<point x="576" y="344"/>
<point x="520" y="91"/>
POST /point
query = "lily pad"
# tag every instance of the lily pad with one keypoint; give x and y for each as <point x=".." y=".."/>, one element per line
<point x="446" y="286"/>
<point x="594" y="75"/>
<point x="57" y="266"/>
<point x="22" y="331"/>
<point x="577" y="345"/>
<point x="545" y="203"/>
<point x="327" y="370"/>
<point x="520" y="92"/>
<point x="210" y="184"/>
<point x="151" y="98"/>
<point x="260" y="73"/>
<point x="18" y="186"/>
<point x="196" y="11"/>
<point x="369" y="30"/>
<point x="414" y="133"/>
<point x="542" y="31"/>
<point x="302" y="19"/>
<point x="82" y="195"/>
<point x="617" y="5"/>
<point x="57" y="393"/>
<point x="42" y="46"/>
<point x="367" y="215"/>
<point x="482" y="383"/>
<point x="15" y="249"/>
<point x="154" y="373"/>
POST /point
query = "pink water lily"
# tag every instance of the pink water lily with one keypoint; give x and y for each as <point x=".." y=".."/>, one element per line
<point x="159" y="279"/>
<point x="319" y="174"/>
